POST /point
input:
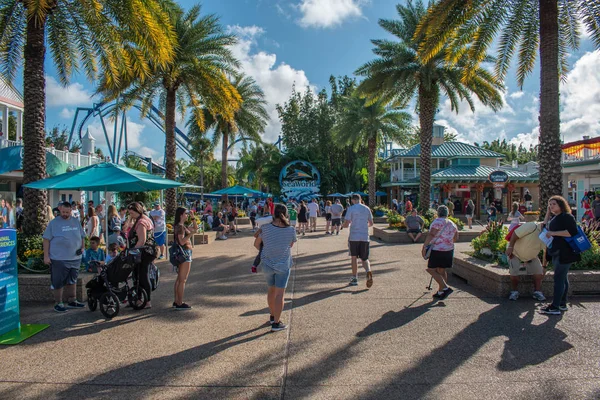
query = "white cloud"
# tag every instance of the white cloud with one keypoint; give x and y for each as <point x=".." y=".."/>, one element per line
<point x="328" y="13"/>
<point x="275" y="79"/>
<point x="134" y="134"/>
<point x="516" y="95"/>
<point x="71" y="95"/>
<point x="527" y="139"/>
<point x="580" y="97"/>
<point x="483" y="124"/>
<point x="67" y="113"/>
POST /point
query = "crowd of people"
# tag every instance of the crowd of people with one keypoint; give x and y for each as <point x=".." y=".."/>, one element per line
<point x="276" y="228"/>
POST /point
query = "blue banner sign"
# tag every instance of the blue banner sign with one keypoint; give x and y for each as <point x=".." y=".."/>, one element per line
<point x="299" y="180"/>
<point x="9" y="284"/>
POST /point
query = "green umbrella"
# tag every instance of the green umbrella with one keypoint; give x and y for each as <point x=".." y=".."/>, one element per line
<point x="105" y="177"/>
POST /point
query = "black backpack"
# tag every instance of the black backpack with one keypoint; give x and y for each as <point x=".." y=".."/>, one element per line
<point x="20" y="218"/>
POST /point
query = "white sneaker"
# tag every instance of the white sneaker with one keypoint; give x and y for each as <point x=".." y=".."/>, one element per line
<point x="539" y="296"/>
<point x="514" y="295"/>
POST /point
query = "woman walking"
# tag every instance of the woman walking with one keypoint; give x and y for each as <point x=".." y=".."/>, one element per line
<point x="470" y="213"/>
<point x="560" y="224"/>
<point x="92" y="227"/>
<point x="303" y="218"/>
<point x="141" y="237"/>
<point x="443" y="233"/>
<point x="328" y="217"/>
<point x="277" y="239"/>
<point x="515" y="217"/>
<point x="182" y="236"/>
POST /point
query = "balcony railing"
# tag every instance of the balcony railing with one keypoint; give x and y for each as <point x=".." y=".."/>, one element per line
<point x="409" y="173"/>
<point x="586" y="156"/>
<point x="78" y="160"/>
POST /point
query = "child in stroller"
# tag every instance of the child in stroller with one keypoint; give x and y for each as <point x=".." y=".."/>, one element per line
<point x="117" y="283"/>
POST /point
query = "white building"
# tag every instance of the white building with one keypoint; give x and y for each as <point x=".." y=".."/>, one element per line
<point x="581" y="169"/>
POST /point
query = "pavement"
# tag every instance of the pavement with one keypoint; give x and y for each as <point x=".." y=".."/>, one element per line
<point x="388" y="342"/>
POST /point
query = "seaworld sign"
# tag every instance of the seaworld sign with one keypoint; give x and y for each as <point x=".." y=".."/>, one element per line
<point x="299" y="180"/>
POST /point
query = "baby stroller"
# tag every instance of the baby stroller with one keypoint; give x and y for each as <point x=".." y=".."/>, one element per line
<point x="117" y="283"/>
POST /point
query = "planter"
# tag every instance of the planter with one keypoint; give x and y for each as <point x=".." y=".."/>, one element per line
<point x="393" y="236"/>
<point x="36" y="287"/>
<point x="379" y="213"/>
<point x="531" y="218"/>
<point x="496" y="280"/>
<point x="197" y="239"/>
<point x="380" y="220"/>
<point x="243" y="221"/>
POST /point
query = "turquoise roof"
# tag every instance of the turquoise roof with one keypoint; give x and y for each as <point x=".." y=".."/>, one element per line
<point x="477" y="173"/>
<point x="467" y="174"/>
<point x="449" y="150"/>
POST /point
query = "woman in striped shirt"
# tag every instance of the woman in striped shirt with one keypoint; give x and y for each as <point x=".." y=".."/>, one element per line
<point x="277" y="238"/>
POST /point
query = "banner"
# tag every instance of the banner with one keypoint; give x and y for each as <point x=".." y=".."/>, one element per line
<point x="9" y="284"/>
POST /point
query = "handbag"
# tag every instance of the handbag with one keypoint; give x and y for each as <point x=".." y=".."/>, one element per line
<point x="176" y="253"/>
<point x="580" y="242"/>
<point x="429" y="248"/>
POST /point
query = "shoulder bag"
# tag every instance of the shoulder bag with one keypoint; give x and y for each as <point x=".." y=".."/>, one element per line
<point x="176" y="254"/>
<point x="430" y="247"/>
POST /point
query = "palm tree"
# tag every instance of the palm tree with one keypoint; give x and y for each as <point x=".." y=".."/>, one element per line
<point x="201" y="149"/>
<point x="248" y="122"/>
<point x="551" y="27"/>
<point x="360" y="123"/>
<point x="399" y="74"/>
<point x="115" y="39"/>
<point x="253" y="162"/>
<point x="196" y="76"/>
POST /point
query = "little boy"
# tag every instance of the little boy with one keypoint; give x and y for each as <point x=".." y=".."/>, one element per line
<point x="94" y="253"/>
<point x="293" y="214"/>
<point x="113" y="252"/>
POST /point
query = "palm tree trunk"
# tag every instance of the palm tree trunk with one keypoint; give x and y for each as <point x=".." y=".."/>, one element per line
<point x="224" y="180"/>
<point x="171" y="162"/>
<point x="34" y="117"/>
<point x="372" y="171"/>
<point x="427" y="104"/>
<point x="202" y="178"/>
<point x="550" y="153"/>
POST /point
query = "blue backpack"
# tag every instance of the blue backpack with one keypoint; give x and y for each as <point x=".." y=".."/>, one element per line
<point x="580" y="242"/>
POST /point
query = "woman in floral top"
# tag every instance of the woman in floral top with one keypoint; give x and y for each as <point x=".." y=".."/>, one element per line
<point x="443" y="233"/>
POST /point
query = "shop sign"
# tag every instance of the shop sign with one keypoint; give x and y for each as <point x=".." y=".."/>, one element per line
<point x="299" y="180"/>
<point x="498" y="179"/>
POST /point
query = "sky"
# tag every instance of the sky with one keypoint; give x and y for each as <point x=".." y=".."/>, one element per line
<point x="283" y="43"/>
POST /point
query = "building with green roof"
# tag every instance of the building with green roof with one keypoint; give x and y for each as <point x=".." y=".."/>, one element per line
<point x="460" y="171"/>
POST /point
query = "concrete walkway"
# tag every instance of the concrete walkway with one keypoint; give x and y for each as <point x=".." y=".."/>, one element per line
<point x="389" y="342"/>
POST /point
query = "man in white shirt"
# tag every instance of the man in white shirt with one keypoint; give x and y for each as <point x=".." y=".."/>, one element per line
<point x="160" y="229"/>
<point x="359" y="219"/>
<point x="313" y="213"/>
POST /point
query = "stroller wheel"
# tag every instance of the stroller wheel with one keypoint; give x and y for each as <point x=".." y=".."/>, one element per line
<point x="135" y="296"/>
<point x="109" y="305"/>
<point x="92" y="303"/>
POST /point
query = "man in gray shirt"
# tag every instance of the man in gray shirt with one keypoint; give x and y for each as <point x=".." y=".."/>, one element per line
<point x="336" y="216"/>
<point x="64" y="243"/>
<point x="359" y="219"/>
<point x="414" y="226"/>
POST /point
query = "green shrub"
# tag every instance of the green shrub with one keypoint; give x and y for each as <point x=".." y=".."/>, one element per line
<point x="28" y="242"/>
<point x="493" y="238"/>
<point x="459" y="224"/>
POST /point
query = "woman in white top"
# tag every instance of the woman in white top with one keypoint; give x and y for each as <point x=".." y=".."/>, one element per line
<point x="515" y="217"/>
<point x="92" y="227"/>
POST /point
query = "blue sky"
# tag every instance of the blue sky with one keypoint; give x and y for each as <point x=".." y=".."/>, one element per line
<point x="303" y="42"/>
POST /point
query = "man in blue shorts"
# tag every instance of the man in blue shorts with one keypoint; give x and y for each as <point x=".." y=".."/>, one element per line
<point x="64" y="243"/>
<point x="160" y="229"/>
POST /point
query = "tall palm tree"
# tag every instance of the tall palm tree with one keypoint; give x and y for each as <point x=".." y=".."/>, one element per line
<point x="201" y="149"/>
<point x="113" y="38"/>
<point x="551" y="27"/>
<point x="360" y="123"/>
<point x="196" y="77"/>
<point x="249" y="121"/>
<point x="398" y="75"/>
<point x="253" y="162"/>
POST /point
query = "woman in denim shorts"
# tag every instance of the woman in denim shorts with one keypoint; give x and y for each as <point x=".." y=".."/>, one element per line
<point x="182" y="236"/>
<point x="277" y="239"/>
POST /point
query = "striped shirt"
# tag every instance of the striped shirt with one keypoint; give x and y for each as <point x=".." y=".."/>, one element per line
<point x="277" y="250"/>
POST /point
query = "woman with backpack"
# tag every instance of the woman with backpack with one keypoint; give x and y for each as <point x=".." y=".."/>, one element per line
<point x="470" y="213"/>
<point x="277" y="240"/>
<point x="182" y="236"/>
<point x="560" y="224"/>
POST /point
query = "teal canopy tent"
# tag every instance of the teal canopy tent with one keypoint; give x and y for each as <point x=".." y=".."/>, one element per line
<point x="361" y="194"/>
<point x="336" y="195"/>
<point x="105" y="177"/>
<point x="380" y="194"/>
<point x="11" y="159"/>
<point x="237" y="190"/>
